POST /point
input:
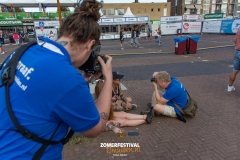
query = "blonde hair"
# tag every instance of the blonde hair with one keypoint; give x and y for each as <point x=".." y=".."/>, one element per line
<point x="163" y="76"/>
<point x="98" y="89"/>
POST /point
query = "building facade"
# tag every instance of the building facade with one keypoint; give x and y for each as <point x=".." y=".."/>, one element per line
<point x="153" y="10"/>
<point x="227" y="7"/>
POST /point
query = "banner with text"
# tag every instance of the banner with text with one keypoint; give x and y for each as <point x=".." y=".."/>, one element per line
<point x="46" y="23"/>
<point x="25" y="15"/>
<point x="171" y="19"/>
<point x="7" y="16"/>
<point x="45" y="32"/>
<point x="211" y="26"/>
<point x="192" y="17"/>
<point x="10" y="23"/>
<point x="191" y="27"/>
<point x="123" y="19"/>
<point x="230" y="26"/>
<point x="40" y="15"/>
<point x="170" y="28"/>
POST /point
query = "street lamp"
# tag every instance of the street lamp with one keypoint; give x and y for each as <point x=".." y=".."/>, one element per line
<point x="59" y="13"/>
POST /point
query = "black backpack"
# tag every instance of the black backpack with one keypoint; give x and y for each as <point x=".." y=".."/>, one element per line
<point x="7" y="79"/>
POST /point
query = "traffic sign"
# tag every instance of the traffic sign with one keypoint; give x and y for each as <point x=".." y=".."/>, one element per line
<point x="41" y="24"/>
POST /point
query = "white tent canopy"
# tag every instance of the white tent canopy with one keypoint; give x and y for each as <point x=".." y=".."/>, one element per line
<point x="128" y="13"/>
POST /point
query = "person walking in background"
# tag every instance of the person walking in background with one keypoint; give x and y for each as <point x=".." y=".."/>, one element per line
<point x="16" y="38"/>
<point x="159" y="32"/>
<point x="132" y="37"/>
<point x="10" y="36"/>
<point x="51" y="35"/>
<point x="136" y="34"/>
<point x="150" y="33"/>
<point x="1" y="43"/>
<point x="22" y="37"/>
<point x="3" y="36"/>
<point x="121" y="38"/>
<point x="236" y="62"/>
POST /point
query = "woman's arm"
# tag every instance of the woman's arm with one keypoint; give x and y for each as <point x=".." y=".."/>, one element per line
<point x="112" y="127"/>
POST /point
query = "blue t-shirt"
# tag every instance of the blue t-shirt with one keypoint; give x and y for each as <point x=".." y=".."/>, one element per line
<point x="175" y="92"/>
<point x="47" y="91"/>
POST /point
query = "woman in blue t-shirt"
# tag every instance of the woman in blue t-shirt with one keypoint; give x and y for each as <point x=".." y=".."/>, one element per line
<point x="49" y="94"/>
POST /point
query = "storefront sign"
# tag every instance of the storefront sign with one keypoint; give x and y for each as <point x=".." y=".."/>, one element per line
<point x="7" y="16"/>
<point x="24" y="15"/>
<point x="192" y="17"/>
<point x="40" y="15"/>
<point x="46" y="23"/>
<point x="172" y="18"/>
<point x="213" y="16"/>
<point x="130" y="19"/>
<point x="10" y="23"/>
<point x="119" y="20"/>
<point x="107" y="20"/>
<point x="142" y="18"/>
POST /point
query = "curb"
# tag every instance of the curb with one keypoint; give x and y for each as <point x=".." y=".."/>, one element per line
<point x="170" y="52"/>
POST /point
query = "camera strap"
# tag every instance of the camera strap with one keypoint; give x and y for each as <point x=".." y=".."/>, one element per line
<point x="7" y="78"/>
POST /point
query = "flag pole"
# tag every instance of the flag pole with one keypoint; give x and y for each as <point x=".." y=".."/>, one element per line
<point x="59" y="13"/>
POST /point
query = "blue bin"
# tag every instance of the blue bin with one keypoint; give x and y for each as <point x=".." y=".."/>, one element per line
<point x="194" y="38"/>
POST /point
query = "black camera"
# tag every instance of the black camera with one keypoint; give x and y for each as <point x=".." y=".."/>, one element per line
<point x="153" y="80"/>
<point x="92" y="66"/>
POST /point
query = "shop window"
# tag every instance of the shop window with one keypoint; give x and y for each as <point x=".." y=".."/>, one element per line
<point x="158" y="9"/>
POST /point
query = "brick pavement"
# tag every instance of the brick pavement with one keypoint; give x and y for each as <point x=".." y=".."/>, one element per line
<point x="213" y="134"/>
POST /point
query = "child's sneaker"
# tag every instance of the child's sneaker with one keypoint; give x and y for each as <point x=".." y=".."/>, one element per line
<point x="230" y="88"/>
<point x="122" y="48"/>
<point x="3" y="53"/>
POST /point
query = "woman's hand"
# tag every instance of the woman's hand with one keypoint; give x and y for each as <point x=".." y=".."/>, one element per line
<point x="116" y="130"/>
<point x="106" y="67"/>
